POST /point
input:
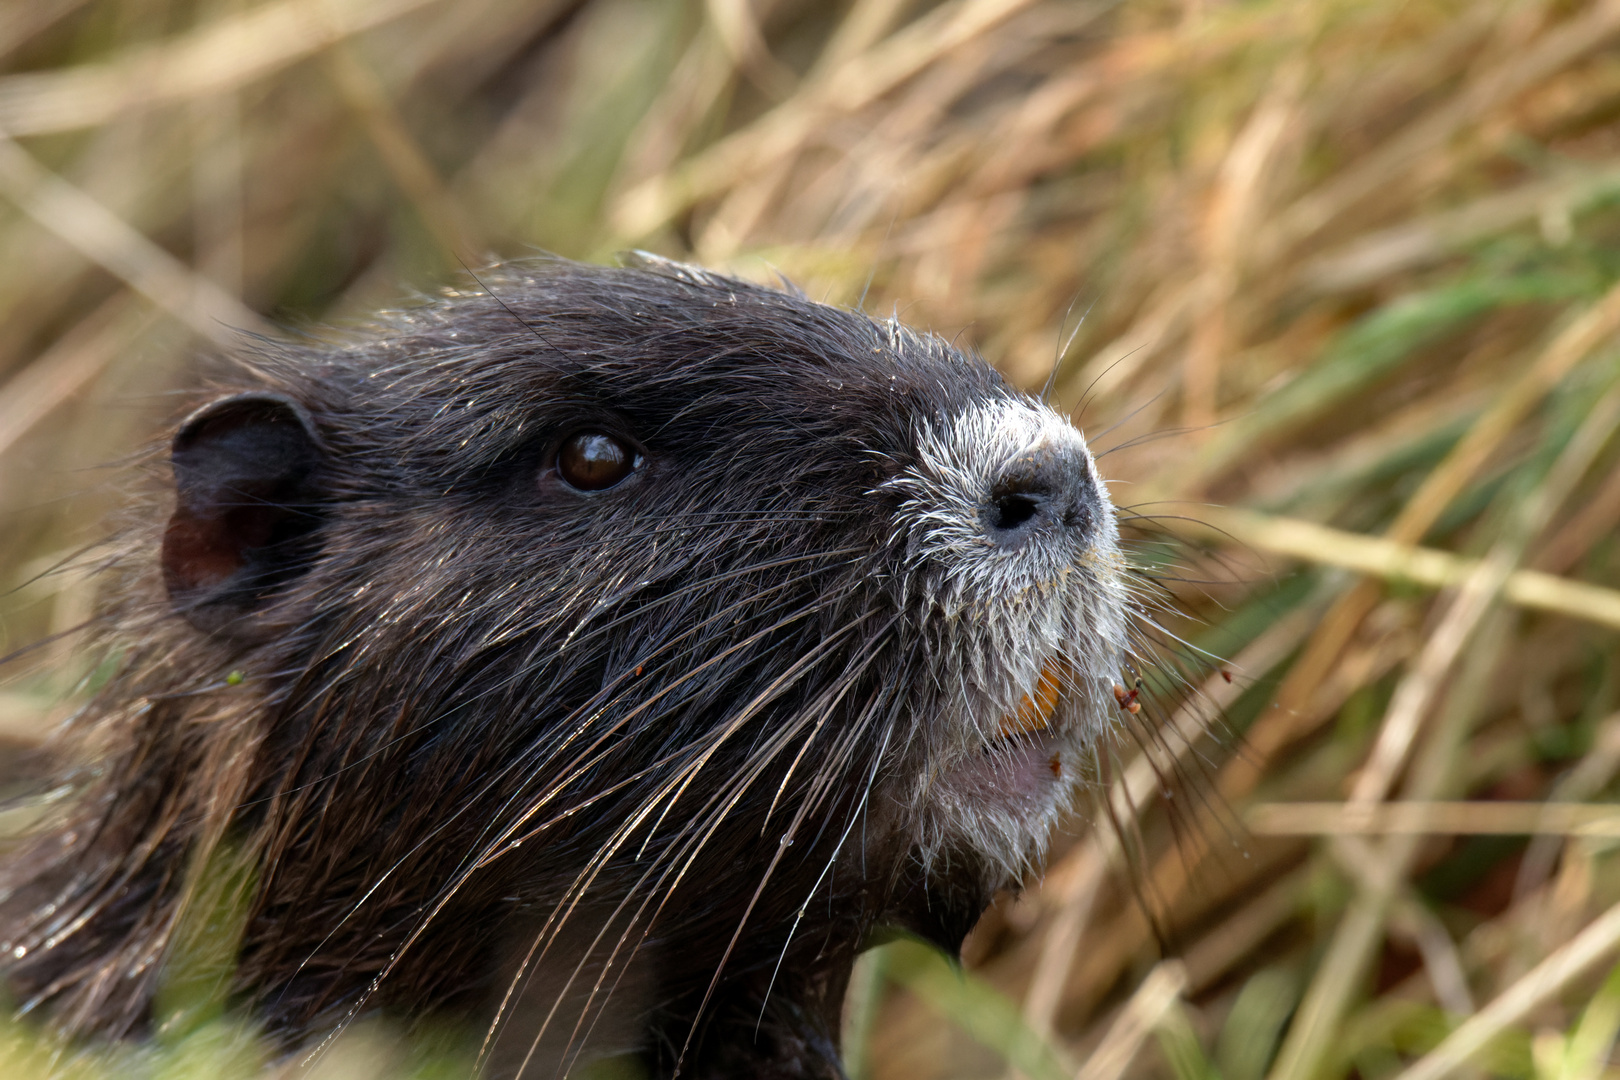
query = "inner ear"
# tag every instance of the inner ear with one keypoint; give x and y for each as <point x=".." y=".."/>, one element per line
<point x="248" y="511"/>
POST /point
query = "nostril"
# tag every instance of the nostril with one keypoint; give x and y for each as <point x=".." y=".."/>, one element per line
<point x="1012" y="511"/>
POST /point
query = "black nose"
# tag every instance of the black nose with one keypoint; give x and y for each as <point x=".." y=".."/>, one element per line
<point x="1046" y="488"/>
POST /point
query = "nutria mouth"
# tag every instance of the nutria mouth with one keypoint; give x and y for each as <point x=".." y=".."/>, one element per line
<point x="596" y="657"/>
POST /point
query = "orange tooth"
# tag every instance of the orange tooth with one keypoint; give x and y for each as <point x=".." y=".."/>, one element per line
<point x="1035" y="711"/>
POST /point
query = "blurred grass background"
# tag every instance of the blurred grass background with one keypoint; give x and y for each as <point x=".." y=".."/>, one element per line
<point x="1335" y="282"/>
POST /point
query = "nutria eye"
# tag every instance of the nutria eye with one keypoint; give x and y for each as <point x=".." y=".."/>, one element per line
<point x="591" y="461"/>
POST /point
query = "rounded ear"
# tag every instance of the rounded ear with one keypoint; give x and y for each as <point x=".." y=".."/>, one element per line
<point x="247" y="514"/>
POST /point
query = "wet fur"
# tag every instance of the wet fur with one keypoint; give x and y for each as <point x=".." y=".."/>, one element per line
<point x="634" y="771"/>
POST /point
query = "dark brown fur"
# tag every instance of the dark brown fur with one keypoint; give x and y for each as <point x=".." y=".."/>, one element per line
<point x="697" y="700"/>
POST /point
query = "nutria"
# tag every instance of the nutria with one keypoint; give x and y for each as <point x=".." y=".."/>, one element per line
<point x="596" y="656"/>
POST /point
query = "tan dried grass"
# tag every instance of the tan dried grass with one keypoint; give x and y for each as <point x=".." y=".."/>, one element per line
<point x="1350" y="262"/>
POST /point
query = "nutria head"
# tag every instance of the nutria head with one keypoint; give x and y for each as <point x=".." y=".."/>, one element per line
<point x="600" y="658"/>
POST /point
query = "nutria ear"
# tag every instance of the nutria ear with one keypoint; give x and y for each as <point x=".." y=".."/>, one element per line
<point x="247" y="511"/>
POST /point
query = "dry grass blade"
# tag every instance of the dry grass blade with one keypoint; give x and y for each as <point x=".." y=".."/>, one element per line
<point x="1142" y="1013"/>
<point x="1458" y="818"/>
<point x="1073" y="891"/>
<point x="1568" y="43"/>
<point x="76" y="358"/>
<point x="406" y="162"/>
<point x="1392" y="561"/>
<point x="1594" y="327"/>
<point x="102" y="236"/>
<point x="1439" y="236"/>
<point x="1442" y="485"/>
<point x="1594" y="945"/>
<point x="19" y="22"/>
<point x="1418" y="689"/>
<point x="211" y="59"/>
<point x="1360" y="931"/>
<point x="1327" y="997"/>
<point x="855" y="83"/>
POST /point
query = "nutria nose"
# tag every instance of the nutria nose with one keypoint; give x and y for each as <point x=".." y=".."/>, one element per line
<point x="1046" y="488"/>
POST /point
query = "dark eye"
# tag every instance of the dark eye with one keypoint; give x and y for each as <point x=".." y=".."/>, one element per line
<point x="591" y="461"/>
